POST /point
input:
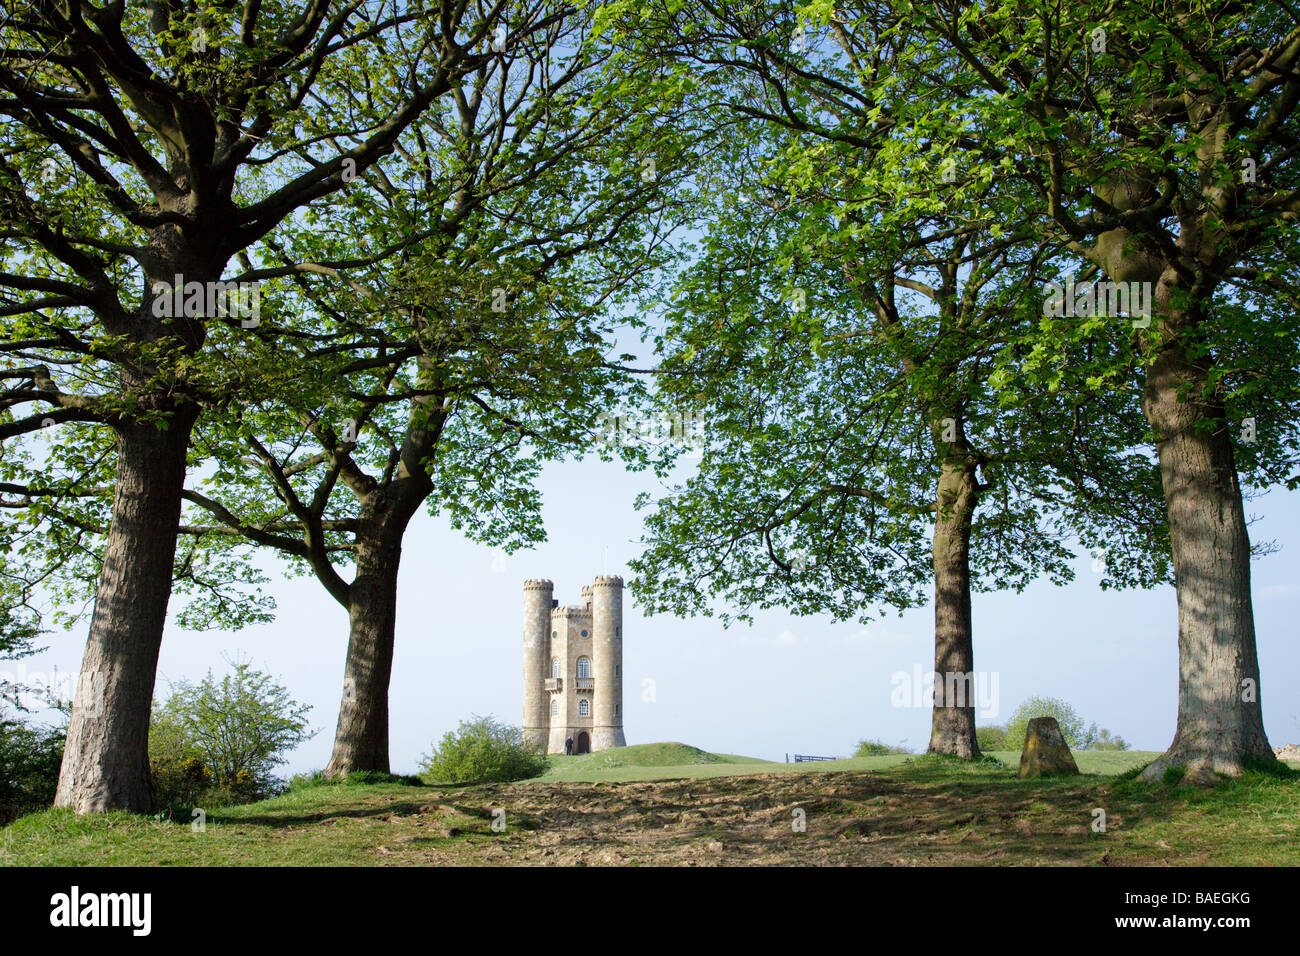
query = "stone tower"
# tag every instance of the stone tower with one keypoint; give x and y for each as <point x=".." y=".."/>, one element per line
<point x="573" y="667"/>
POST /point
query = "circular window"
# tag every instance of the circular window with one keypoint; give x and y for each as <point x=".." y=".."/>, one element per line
<point x="584" y="633"/>
<point x="555" y="634"/>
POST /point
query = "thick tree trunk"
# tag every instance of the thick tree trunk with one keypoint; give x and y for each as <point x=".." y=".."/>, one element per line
<point x="361" y="736"/>
<point x="1220" y="719"/>
<point x="952" y="729"/>
<point x="106" y="758"/>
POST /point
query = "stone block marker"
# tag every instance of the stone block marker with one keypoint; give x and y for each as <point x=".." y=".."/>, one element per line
<point x="1046" y="751"/>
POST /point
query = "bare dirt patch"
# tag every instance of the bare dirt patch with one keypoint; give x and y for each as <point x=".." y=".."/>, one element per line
<point x="846" y="819"/>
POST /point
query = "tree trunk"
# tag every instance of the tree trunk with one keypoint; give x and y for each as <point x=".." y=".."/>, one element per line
<point x="952" y="729"/>
<point x="1220" y="719"/>
<point x="361" y="736"/>
<point x="106" y="758"/>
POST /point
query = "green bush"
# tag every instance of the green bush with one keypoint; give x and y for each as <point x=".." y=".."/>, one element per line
<point x="993" y="738"/>
<point x="216" y="742"/>
<point x="1076" y="735"/>
<point x="30" y="758"/>
<point x="484" y="750"/>
<point x="877" y="748"/>
<point x="182" y="784"/>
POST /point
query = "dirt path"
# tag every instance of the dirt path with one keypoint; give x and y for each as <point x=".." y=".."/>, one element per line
<point x="847" y="819"/>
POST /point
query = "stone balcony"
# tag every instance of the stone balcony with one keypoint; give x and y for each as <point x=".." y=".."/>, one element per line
<point x="584" y="683"/>
<point x="555" y="684"/>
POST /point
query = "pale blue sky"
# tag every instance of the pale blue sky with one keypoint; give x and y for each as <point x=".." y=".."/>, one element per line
<point x="786" y="685"/>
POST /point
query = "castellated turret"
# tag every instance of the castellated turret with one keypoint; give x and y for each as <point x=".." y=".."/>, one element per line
<point x="537" y="657"/>
<point x="573" y="667"/>
<point x="607" y="659"/>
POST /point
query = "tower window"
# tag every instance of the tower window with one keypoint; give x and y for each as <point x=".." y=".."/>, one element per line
<point x="554" y="634"/>
<point x="555" y="707"/>
<point x="616" y="710"/>
<point x="618" y="670"/>
<point x="618" y="631"/>
<point x="584" y="667"/>
<point x="555" y="667"/>
<point x="584" y="633"/>
<point x="584" y="708"/>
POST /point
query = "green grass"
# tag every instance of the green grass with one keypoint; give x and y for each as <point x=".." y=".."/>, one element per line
<point x="316" y="826"/>
<point x="921" y="805"/>
<point x="1105" y="762"/>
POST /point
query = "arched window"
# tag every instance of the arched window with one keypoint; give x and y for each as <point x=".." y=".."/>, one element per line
<point x="584" y="708"/>
<point x="555" y="707"/>
<point x="584" y="667"/>
<point x="555" y="667"/>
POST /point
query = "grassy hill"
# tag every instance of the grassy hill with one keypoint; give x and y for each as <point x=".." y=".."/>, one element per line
<point x="667" y="761"/>
<point x="650" y="762"/>
<point x="722" y="809"/>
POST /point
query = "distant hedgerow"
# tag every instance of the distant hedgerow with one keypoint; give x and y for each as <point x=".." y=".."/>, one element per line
<point x="877" y="748"/>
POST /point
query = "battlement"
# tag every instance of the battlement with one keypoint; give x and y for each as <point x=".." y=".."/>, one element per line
<point x="571" y="612"/>
<point x="539" y="584"/>
<point x="607" y="581"/>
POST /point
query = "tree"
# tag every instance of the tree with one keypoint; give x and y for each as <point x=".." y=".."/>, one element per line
<point x="844" y="331"/>
<point x="1161" y="145"/>
<point x="1072" y="726"/>
<point x="145" y="148"/>
<point x="446" y="369"/>
<point x="241" y="726"/>
<point x="1096" y="739"/>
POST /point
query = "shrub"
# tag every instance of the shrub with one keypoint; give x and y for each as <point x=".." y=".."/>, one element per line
<point x="876" y="748"/>
<point x="484" y="750"/>
<point x="993" y="738"/>
<point x="30" y="758"/>
<point x="217" y="742"/>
